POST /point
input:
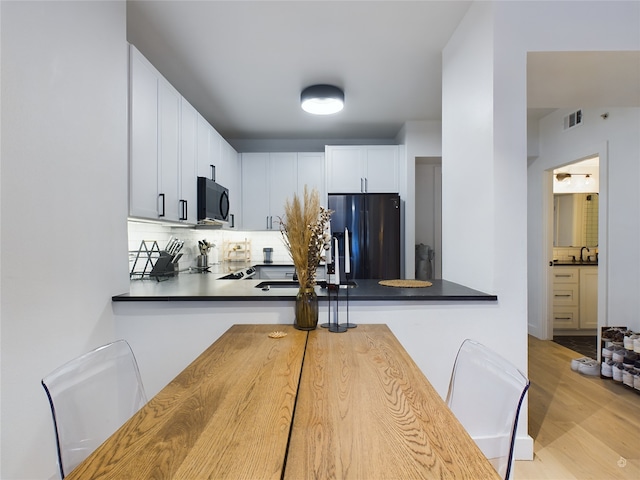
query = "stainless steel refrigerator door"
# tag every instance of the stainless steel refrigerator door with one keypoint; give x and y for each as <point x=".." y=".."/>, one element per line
<point x="349" y="212"/>
<point x="373" y="221"/>
<point x="382" y="236"/>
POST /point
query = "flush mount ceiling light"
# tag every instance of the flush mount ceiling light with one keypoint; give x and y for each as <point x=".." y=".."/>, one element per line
<point x="322" y="99"/>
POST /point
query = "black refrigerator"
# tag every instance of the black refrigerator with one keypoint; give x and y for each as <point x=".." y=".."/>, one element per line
<point x="373" y="221"/>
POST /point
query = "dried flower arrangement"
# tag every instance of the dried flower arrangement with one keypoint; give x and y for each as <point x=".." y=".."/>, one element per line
<point x="304" y="232"/>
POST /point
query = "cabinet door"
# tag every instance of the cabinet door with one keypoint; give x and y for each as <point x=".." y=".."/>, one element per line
<point x="143" y="138"/>
<point x="565" y="318"/>
<point x="169" y="151"/>
<point x="232" y="181"/>
<point x="205" y="152"/>
<point x="345" y="169"/>
<point x="566" y="275"/>
<point x="283" y="183"/>
<point x="566" y="294"/>
<point x="216" y="166"/>
<point x="188" y="162"/>
<point x="311" y="172"/>
<point x="382" y="169"/>
<point x="589" y="297"/>
<point x="255" y="191"/>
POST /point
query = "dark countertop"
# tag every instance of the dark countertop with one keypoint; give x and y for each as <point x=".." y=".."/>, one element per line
<point x="206" y="287"/>
<point x="577" y="263"/>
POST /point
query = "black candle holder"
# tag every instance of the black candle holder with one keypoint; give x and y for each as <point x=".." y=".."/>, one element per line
<point x="335" y="327"/>
<point x="348" y="324"/>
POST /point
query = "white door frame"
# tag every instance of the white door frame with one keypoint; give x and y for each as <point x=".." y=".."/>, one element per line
<point x="601" y="151"/>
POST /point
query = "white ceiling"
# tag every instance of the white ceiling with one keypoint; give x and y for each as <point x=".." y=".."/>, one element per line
<point x="242" y="64"/>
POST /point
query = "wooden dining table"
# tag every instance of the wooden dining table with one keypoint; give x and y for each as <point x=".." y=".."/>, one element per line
<point x="305" y="405"/>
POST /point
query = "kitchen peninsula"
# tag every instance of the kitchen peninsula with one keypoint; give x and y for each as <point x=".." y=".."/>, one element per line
<point x="206" y="287"/>
<point x="168" y="323"/>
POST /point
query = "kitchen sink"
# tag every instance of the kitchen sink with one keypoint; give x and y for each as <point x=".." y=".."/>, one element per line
<point x="294" y="284"/>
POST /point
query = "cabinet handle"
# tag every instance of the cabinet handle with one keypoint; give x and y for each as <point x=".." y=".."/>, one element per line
<point x="563" y="295"/>
<point x="361" y="185"/>
<point x="213" y="172"/>
<point x="366" y="184"/>
<point x="161" y="197"/>
<point x="233" y="220"/>
<point x="183" y="210"/>
<point x="267" y="222"/>
<point x="270" y="223"/>
<point x="562" y="318"/>
<point x="564" y="276"/>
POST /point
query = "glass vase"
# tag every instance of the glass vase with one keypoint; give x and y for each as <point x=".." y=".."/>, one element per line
<point x="306" y="309"/>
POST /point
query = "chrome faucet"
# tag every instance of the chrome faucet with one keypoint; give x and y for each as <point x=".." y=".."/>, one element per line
<point x="581" y="250"/>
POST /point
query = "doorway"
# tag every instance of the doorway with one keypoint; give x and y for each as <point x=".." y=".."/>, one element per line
<point x="575" y="249"/>
<point x="428" y="218"/>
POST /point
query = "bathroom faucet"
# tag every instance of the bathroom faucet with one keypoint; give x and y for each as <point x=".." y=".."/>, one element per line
<point x="581" y="250"/>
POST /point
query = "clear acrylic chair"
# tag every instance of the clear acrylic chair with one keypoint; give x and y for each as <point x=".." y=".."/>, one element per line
<point x="485" y="394"/>
<point x="90" y="398"/>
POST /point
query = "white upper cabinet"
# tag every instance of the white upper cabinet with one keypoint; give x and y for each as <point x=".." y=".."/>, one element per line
<point x="255" y="191"/>
<point x="171" y="145"/>
<point x="362" y="169"/>
<point x="270" y="179"/>
<point x="159" y="187"/>
<point x="283" y="183"/>
<point x="143" y="135"/>
<point x="188" y="163"/>
<point x="230" y="178"/>
<point x="208" y="151"/>
<point x="170" y="207"/>
<point x="311" y="172"/>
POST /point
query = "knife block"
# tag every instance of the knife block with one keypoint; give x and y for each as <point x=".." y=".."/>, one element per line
<point x="164" y="266"/>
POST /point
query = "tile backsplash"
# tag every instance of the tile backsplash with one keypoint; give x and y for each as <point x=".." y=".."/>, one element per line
<point x="143" y="231"/>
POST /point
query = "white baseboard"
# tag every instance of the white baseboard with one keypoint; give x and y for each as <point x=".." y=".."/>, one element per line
<point x="523" y="448"/>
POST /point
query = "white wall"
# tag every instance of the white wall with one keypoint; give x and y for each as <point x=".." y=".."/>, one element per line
<point x="64" y="205"/>
<point x="619" y="266"/>
<point x="420" y="139"/>
<point x="484" y="158"/>
<point x="569" y="26"/>
<point x="485" y="140"/>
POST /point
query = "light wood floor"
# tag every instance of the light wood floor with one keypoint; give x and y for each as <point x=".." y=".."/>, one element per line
<point x="583" y="427"/>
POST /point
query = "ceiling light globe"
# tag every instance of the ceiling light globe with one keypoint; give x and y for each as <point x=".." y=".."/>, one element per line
<point x="322" y="99"/>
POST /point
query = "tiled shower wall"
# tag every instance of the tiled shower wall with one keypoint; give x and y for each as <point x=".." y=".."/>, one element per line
<point x="149" y="232"/>
<point x="590" y="220"/>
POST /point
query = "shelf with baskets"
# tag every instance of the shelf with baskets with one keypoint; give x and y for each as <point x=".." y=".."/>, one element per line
<point x="234" y="251"/>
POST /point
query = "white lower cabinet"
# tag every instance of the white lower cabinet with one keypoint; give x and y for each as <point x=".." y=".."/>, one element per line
<point x="575" y="298"/>
<point x="270" y="179"/>
<point x="588" y="297"/>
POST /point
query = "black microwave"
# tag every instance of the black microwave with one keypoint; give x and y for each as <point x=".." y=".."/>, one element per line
<point x="213" y="200"/>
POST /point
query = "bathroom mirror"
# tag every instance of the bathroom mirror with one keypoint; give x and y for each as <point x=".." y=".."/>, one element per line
<point x="575" y="219"/>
